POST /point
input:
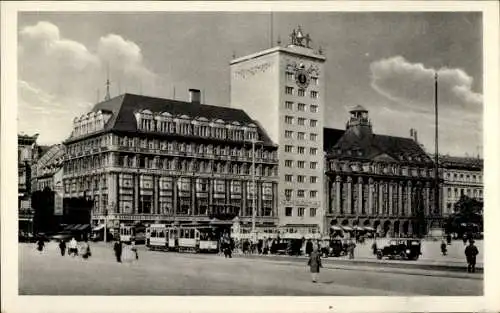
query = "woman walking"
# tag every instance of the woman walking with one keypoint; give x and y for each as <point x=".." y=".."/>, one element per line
<point x="314" y="264"/>
<point x="86" y="250"/>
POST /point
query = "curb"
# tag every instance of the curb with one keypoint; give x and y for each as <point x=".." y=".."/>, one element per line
<point x="375" y="263"/>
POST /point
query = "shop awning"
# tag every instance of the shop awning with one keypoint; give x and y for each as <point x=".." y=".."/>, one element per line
<point x="369" y="228"/>
<point x="69" y="227"/>
<point x="98" y="227"/>
<point x="347" y="228"/>
<point x="83" y="226"/>
<point x="335" y="227"/>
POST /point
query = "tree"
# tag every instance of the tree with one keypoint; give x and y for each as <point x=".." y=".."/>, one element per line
<point x="467" y="213"/>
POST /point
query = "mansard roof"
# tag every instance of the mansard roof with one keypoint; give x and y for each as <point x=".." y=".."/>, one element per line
<point x="378" y="147"/>
<point x="466" y="163"/>
<point x="123" y="107"/>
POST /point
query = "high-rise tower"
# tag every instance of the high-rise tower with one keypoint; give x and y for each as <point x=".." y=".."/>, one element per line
<point x="283" y="89"/>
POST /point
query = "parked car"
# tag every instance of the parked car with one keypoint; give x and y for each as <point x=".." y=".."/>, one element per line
<point x="64" y="235"/>
<point x="337" y="247"/>
<point x="405" y="249"/>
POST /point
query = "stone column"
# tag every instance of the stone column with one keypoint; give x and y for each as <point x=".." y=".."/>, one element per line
<point x="370" y="196"/>
<point x="112" y="192"/>
<point x="408" y="199"/>
<point x="194" y="209"/>
<point x="426" y="200"/>
<point x="400" y="200"/>
<point x="360" y="196"/>
<point x="244" y="197"/>
<point x="381" y="198"/>
<point x="156" y="194"/>
<point x="176" y="195"/>
<point x="136" y="194"/>
<point x="275" y="199"/>
<point x="390" y="185"/>
<point x="338" y="181"/>
<point x="349" y="195"/>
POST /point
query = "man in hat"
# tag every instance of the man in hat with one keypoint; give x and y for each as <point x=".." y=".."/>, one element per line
<point x="471" y="252"/>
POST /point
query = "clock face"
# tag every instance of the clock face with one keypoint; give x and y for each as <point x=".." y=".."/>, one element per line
<point x="302" y="78"/>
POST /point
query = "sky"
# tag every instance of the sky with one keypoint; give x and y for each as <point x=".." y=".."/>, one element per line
<point x="382" y="61"/>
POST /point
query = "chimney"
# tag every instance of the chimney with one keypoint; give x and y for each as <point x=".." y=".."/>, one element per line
<point x="415" y="135"/>
<point x="411" y="132"/>
<point x="194" y="96"/>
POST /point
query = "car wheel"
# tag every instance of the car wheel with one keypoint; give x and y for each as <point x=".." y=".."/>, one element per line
<point x="379" y="255"/>
<point x="415" y="257"/>
<point x="402" y="255"/>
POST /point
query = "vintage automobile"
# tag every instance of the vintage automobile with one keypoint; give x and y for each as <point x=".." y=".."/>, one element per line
<point x="405" y="249"/>
<point x="337" y="247"/>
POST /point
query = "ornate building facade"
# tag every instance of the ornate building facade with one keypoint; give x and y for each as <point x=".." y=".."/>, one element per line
<point x="462" y="176"/>
<point x="377" y="182"/>
<point x="158" y="160"/>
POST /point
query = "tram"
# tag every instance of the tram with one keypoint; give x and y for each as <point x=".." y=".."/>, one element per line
<point x="132" y="232"/>
<point x="157" y="237"/>
<point x="183" y="239"/>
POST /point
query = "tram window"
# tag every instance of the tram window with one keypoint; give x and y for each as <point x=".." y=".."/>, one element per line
<point x="161" y="234"/>
<point x="153" y="233"/>
<point x="191" y="233"/>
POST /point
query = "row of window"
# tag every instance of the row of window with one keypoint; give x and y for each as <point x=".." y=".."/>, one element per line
<point x="300" y="150"/>
<point x="301" y="107"/>
<point x="301" y="164"/>
<point x="301" y="121"/>
<point x="300" y="135"/>
<point x="465" y="178"/>
<point x="196" y="128"/>
<point x="301" y="178"/>
<point x="301" y="92"/>
<point x="290" y="76"/>
<point x="300" y="211"/>
<point x="183" y="165"/>
<point x="474" y="193"/>
<point x="300" y="193"/>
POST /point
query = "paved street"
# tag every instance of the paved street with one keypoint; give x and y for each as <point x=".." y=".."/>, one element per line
<point x="159" y="273"/>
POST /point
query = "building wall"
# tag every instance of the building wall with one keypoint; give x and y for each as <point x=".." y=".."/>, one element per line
<point x="458" y="182"/>
<point x="380" y="195"/>
<point x="159" y="179"/>
<point x="259" y="86"/>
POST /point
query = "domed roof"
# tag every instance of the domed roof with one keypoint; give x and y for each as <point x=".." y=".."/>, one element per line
<point x="358" y="108"/>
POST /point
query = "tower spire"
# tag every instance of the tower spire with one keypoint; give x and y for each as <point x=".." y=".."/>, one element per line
<point x="107" y="96"/>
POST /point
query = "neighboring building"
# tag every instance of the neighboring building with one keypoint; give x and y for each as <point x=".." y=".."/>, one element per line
<point x="377" y="182"/>
<point x="462" y="176"/>
<point x="46" y="167"/>
<point x="284" y="89"/>
<point x="27" y="154"/>
<point x="144" y="159"/>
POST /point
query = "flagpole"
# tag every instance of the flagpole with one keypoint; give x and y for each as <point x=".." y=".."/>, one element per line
<point x="436" y="139"/>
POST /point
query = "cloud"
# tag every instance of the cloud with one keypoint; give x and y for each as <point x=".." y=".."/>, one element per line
<point x="412" y="85"/>
<point x="62" y="76"/>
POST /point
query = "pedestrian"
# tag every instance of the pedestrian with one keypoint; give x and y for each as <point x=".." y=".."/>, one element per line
<point x="448" y="239"/>
<point x="351" y="248"/>
<point x="374" y="246"/>
<point x="73" y="248"/>
<point x="309" y="247"/>
<point x="443" y="248"/>
<point x="133" y="247"/>
<point x="118" y="251"/>
<point x="471" y="252"/>
<point x="62" y="247"/>
<point x="86" y="249"/>
<point x="40" y="244"/>
<point x="464" y="239"/>
<point x="314" y="264"/>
